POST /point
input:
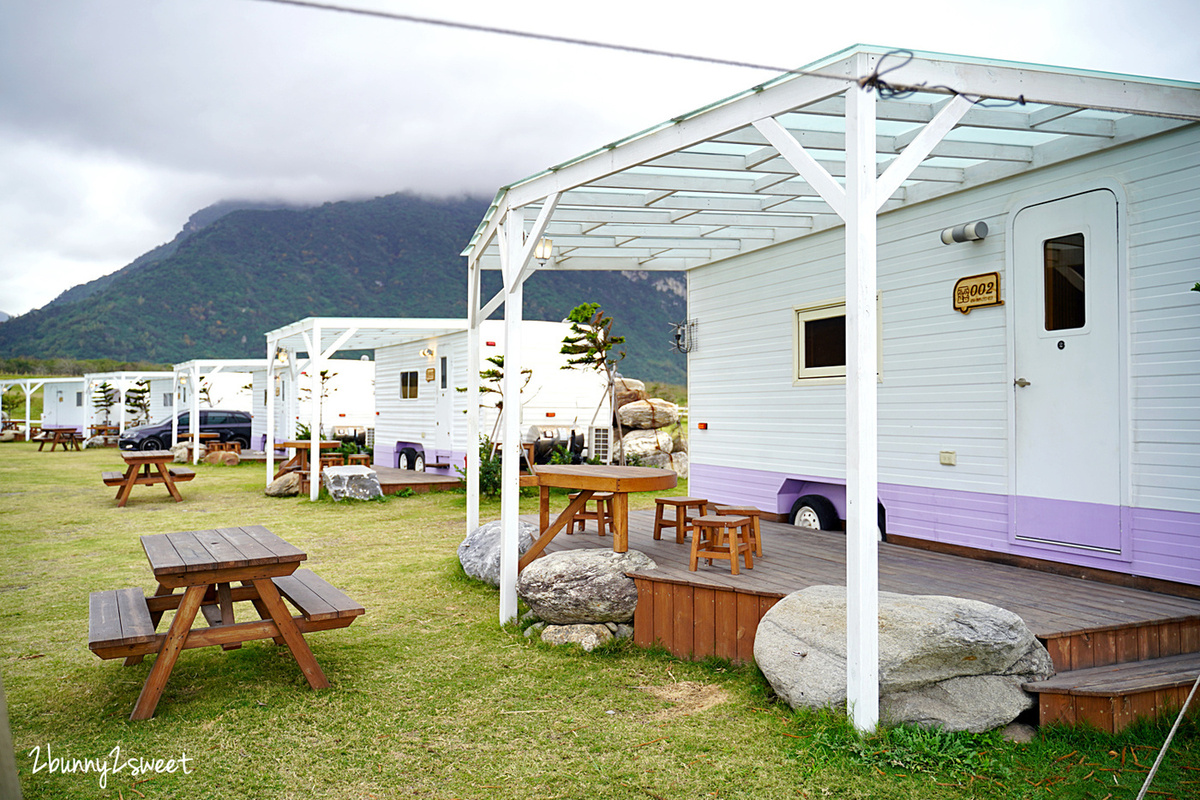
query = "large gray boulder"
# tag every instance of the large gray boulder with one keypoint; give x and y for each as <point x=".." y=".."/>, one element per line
<point x="479" y="553"/>
<point x="646" y="443"/>
<point x="676" y="461"/>
<point x="628" y="390"/>
<point x="648" y="414"/>
<point x="355" y="482"/>
<point x="943" y="661"/>
<point x="582" y="586"/>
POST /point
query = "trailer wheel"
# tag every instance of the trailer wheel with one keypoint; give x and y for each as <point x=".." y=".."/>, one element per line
<point x="814" y="511"/>
<point x="409" y="459"/>
<point x="419" y="463"/>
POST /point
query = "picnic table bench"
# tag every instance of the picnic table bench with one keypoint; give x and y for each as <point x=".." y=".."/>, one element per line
<point x="146" y="468"/>
<point x="54" y="435"/>
<point x="205" y="564"/>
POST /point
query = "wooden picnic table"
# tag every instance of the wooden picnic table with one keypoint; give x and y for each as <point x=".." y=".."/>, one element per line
<point x="587" y="479"/>
<point x="54" y="435"/>
<point x="204" y="565"/>
<point x="146" y="468"/>
<point x="299" y="460"/>
<point x="105" y="431"/>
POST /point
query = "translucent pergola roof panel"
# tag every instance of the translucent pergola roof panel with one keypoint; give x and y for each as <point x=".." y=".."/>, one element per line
<point x="358" y="333"/>
<point x="708" y="185"/>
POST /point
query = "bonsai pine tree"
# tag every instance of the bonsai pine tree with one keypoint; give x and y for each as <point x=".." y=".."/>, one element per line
<point x="137" y="402"/>
<point x="590" y="345"/>
<point x="103" y="399"/>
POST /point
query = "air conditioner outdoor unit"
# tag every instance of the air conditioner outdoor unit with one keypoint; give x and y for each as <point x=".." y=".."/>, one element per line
<point x="601" y="444"/>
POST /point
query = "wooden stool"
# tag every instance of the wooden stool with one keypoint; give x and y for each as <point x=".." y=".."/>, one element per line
<point x="360" y="458"/>
<point x="333" y="460"/>
<point x="682" y="520"/>
<point x="746" y="511"/>
<point x="721" y="536"/>
<point x="603" y="513"/>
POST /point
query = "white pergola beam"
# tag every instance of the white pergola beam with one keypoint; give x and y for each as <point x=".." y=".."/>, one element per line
<point x="930" y="136"/>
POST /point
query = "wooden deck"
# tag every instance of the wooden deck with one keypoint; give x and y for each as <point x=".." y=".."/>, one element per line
<point x="1084" y="624"/>
<point x="392" y="480"/>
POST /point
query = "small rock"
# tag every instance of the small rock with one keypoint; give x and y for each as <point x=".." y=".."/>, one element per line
<point x="286" y="485"/>
<point x="1019" y="733"/>
<point x="589" y="637"/>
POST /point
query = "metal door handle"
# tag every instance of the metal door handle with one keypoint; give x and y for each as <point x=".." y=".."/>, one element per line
<point x="1021" y="382"/>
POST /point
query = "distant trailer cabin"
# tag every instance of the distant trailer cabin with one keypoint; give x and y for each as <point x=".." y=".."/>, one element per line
<point x="422" y="398"/>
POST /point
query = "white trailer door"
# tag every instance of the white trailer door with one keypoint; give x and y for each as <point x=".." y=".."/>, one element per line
<point x="444" y="412"/>
<point x="1067" y="384"/>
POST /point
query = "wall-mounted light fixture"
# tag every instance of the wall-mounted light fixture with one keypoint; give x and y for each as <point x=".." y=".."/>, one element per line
<point x="427" y="352"/>
<point x="968" y="232"/>
<point x="542" y="251"/>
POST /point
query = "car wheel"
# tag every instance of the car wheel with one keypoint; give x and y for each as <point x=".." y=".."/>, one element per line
<point x="408" y="457"/>
<point x="242" y="441"/>
<point x="152" y="444"/>
<point x="815" y="512"/>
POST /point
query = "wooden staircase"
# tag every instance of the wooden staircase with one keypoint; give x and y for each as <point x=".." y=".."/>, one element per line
<point x="1108" y="677"/>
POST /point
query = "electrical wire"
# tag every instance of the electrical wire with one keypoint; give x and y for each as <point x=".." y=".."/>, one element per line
<point x="873" y="82"/>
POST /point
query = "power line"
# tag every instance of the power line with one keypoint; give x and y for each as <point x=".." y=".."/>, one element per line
<point x="544" y="37"/>
<point x="872" y="82"/>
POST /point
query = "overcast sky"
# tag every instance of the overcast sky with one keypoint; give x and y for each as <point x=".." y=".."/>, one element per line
<point x="120" y="118"/>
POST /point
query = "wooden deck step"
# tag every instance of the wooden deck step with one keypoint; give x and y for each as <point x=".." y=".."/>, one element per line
<point x="116" y="618"/>
<point x="1112" y="696"/>
<point x="316" y="598"/>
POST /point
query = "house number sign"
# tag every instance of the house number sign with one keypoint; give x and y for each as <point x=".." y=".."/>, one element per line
<point x="430" y="374"/>
<point x="977" y="291"/>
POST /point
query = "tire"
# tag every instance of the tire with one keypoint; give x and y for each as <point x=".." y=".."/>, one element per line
<point x="814" y="511"/>
<point x="242" y="441"/>
<point x="408" y="458"/>
<point x="419" y="464"/>
<point x="152" y="443"/>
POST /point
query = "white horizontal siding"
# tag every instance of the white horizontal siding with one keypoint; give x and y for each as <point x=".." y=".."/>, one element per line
<point x="946" y="382"/>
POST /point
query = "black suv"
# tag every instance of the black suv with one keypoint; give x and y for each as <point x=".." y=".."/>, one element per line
<point x="232" y="426"/>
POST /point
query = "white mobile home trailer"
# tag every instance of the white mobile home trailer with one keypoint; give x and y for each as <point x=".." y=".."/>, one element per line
<point x="319" y="339"/>
<point x="1067" y="392"/>
<point x="423" y="404"/>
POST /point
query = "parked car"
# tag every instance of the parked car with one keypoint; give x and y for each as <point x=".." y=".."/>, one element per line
<point x="231" y="426"/>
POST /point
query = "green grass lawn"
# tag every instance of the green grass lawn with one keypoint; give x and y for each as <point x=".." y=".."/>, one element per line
<point x="431" y="697"/>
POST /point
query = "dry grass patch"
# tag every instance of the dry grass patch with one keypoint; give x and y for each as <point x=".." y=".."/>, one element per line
<point x="686" y="698"/>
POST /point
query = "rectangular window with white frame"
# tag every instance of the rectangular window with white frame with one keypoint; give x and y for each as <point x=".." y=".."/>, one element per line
<point x="408" y="385"/>
<point x="819" y="343"/>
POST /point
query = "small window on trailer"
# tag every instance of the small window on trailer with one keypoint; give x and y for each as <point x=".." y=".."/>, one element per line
<point x="408" y="385"/>
<point x="819" y="342"/>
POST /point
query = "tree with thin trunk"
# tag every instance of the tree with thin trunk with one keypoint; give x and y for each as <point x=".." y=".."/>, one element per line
<point x="590" y="345"/>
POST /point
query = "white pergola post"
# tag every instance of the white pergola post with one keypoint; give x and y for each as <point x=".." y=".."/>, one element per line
<point x="862" y="459"/>
<point x="315" y="363"/>
<point x="269" y="443"/>
<point x="194" y="416"/>
<point x="473" y="364"/>
<point x="176" y="398"/>
<point x="510" y="486"/>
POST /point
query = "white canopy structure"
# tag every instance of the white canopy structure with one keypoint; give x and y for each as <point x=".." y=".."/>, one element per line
<point x="319" y="338"/>
<point x="188" y="375"/>
<point x="122" y="382"/>
<point x="30" y="385"/>
<point x="857" y="134"/>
